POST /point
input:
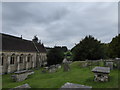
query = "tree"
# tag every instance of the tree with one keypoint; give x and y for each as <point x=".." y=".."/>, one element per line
<point x="64" y="48"/>
<point x="55" y="56"/>
<point x="89" y="48"/>
<point x="114" y="47"/>
<point x="68" y="55"/>
<point x="105" y="48"/>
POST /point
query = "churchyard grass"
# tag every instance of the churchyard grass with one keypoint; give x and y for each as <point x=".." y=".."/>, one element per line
<point x="76" y="75"/>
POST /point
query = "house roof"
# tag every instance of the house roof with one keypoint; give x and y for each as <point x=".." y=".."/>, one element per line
<point x="12" y="43"/>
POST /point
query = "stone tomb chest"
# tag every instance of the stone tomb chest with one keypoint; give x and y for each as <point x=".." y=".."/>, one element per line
<point x="101" y="73"/>
<point x="21" y="75"/>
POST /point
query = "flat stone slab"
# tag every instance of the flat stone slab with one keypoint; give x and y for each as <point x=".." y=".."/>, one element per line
<point x="23" y="71"/>
<point x="21" y="87"/>
<point x="72" y="85"/>
<point x="20" y="72"/>
<point x="101" y="70"/>
<point x="21" y="75"/>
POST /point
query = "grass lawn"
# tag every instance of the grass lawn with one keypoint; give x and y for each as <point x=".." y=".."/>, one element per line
<point x="77" y="75"/>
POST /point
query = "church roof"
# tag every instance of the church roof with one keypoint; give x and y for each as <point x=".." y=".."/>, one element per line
<point x="12" y="43"/>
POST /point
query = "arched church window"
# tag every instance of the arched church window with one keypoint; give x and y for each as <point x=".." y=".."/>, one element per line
<point x="2" y="61"/>
<point x="21" y="58"/>
<point x="29" y="58"/>
<point x="12" y="60"/>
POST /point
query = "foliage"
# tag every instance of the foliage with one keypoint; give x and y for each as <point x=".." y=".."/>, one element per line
<point x="63" y="48"/>
<point x="105" y="49"/>
<point x="55" y="56"/>
<point x="89" y="48"/>
<point x="114" y="47"/>
<point x="68" y="55"/>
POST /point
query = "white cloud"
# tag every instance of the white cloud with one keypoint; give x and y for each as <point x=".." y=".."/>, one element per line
<point x="61" y="23"/>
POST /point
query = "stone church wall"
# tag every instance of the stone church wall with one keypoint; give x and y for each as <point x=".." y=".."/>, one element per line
<point x="7" y="67"/>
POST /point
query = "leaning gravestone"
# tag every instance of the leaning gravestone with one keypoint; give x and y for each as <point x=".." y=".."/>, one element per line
<point x="22" y="87"/>
<point x="72" y="86"/>
<point x="66" y="65"/>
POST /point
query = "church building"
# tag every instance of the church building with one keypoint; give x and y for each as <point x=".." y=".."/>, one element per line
<point x="19" y="54"/>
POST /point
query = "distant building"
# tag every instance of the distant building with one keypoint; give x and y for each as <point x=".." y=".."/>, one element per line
<point x="19" y="54"/>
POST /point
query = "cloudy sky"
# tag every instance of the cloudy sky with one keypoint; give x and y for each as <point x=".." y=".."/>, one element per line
<point x="61" y="23"/>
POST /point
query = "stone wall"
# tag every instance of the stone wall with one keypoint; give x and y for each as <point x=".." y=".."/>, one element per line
<point x="88" y="63"/>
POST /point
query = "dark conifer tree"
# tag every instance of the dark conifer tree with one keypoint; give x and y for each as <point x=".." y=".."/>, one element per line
<point x="89" y="48"/>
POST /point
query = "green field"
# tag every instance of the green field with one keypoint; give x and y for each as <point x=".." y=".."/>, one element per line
<point x="76" y="75"/>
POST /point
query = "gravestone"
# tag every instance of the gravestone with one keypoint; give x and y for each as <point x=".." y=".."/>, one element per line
<point x="66" y="66"/>
<point x="109" y="64"/>
<point x="89" y="63"/>
<point x="72" y="86"/>
<point x="21" y="87"/>
<point x="83" y="64"/>
<point x="58" y="66"/>
<point x="52" y="68"/>
<point x="46" y="68"/>
<point x="101" y="73"/>
<point x="117" y="63"/>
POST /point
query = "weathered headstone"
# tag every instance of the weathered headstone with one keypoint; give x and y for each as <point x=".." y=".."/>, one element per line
<point x="52" y="68"/>
<point x="117" y="63"/>
<point x="21" y="87"/>
<point x="89" y="63"/>
<point x="58" y="66"/>
<point x="101" y="73"/>
<point x="83" y="64"/>
<point x="46" y="68"/>
<point x="66" y="65"/>
<point x="72" y="86"/>
<point x="109" y="64"/>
